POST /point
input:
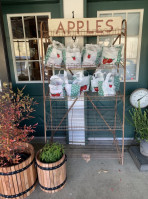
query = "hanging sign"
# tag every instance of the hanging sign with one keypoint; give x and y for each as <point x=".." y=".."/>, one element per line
<point x="85" y="26"/>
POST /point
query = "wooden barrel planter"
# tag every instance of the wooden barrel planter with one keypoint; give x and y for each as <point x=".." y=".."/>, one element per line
<point x="52" y="176"/>
<point x="19" y="181"/>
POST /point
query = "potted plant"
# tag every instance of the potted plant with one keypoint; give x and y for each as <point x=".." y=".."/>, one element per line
<point x="51" y="167"/>
<point x="17" y="171"/>
<point x="140" y="122"/>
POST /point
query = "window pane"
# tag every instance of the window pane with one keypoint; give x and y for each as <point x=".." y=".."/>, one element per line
<point x="105" y="15"/>
<point x="45" y="24"/>
<point x="17" y="27"/>
<point x="32" y="49"/>
<point x="34" y="69"/>
<point x="30" y="27"/>
<point x="106" y="40"/>
<point x="19" y="50"/>
<point x="132" y="47"/>
<point x="22" y="71"/>
<point x="123" y="15"/>
<point x="45" y="46"/>
<point x="133" y="22"/>
<point x="130" y="70"/>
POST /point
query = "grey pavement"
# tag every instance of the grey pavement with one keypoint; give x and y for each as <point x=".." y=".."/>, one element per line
<point x="100" y="179"/>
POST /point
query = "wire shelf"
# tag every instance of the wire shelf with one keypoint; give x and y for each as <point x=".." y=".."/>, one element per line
<point x="93" y="122"/>
<point x="102" y="32"/>
<point x="93" y="96"/>
<point x="96" y="119"/>
<point x="84" y="67"/>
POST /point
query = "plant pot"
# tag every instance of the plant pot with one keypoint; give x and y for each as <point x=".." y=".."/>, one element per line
<point x="19" y="181"/>
<point x="144" y="147"/>
<point x="52" y="176"/>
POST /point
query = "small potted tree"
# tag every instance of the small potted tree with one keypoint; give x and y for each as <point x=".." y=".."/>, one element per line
<point x="17" y="171"/>
<point x="51" y="167"/>
<point x="140" y="122"/>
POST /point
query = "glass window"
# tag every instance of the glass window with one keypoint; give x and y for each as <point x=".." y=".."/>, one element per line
<point x="30" y="27"/>
<point x="32" y="49"/>
<point x="26" y="42"/>
<point x="34" y="69"/>
<point x="45" y="25"/>
<point x="133" y="23"/>
<point x="19" y="50"/>
<point x="17" y="28"/>
<point x="134" y="32"/>
<point x="22" y="71"/>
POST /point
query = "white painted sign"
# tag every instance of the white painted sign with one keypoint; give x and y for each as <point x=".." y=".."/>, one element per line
<point x="84" y="26"/>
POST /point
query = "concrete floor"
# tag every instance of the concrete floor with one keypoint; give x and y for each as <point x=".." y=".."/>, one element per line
<point x="100" y="179"/>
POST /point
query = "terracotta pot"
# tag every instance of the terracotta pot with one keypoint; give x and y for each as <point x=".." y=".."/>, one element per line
<point x="52" y="176"/>
<point x="19" y="181"/>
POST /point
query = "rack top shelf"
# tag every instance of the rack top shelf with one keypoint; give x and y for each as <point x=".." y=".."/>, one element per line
<point x="91" y="95"/>
<point x="85" y="67"/>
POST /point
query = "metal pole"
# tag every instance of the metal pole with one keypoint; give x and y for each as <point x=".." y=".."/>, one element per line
<point x="43" y="78"/>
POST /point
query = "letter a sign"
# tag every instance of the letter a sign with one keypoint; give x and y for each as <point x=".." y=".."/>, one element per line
<point x="85" y="26"/>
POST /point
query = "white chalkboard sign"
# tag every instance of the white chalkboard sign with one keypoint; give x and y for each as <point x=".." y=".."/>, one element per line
<point x="85" y="26"/>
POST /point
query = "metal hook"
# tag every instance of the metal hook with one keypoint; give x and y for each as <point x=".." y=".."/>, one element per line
<point x="73" y="16"/>
<point x="73" y="13"/>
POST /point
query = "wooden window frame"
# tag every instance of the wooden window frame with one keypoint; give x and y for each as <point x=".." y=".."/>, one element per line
<point x="12" y="46"/>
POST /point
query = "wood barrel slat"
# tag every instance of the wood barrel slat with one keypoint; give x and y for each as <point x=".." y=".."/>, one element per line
<point x="47" y="179"/>
<point x="45" y="174"/>
<point x="33" y="176"/>
<point x="18" y="177"/>
<point x="11" y="184"/>
<point x="27" y="183"/>
<point x="5" y="190"/>
<point x="51" y="178"/>
<point x="1" y="187"/>
<point x="16" y="189"/>
<point x="15" y="184"/>
<point x="22" y="180"/>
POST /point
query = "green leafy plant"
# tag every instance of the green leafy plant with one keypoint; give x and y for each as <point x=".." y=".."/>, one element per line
<point x="51" y="153"/>
<point x="140" y="122"/>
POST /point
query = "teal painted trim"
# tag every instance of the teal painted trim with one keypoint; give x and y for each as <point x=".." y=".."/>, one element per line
<point x="85" y="16"/>
<point x="98" y="1"/>
<point x="92" y="8"/>
<point x="9" y="49"/>
<point x="34" y="90"/>
<point x="20" y="2"/>
<point x="61" y="9"/>
<point x="85" y="8"/>
<point x="62" y="16"/>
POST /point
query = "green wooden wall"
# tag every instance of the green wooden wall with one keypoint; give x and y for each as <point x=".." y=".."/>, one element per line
<point x="31" y="6"/>
<point x="92" y="7"/>
<point x="90" y="10"/>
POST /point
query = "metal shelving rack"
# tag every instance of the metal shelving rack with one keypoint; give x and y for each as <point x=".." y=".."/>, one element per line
<point x="110" y="122"/>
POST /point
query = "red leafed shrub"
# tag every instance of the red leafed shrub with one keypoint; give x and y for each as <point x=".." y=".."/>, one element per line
<point x="15" y="110"/>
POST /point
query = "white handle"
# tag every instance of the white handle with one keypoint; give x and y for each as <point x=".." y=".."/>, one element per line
<point x="108" y="77"/>
<point x="56" y="44"/>
<point x="99" y="73"/>
<point x="79" y="75"/>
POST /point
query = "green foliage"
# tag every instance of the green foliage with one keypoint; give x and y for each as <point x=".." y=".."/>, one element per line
<point x="140" y="122"/>
<point x="51" y="153"/>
